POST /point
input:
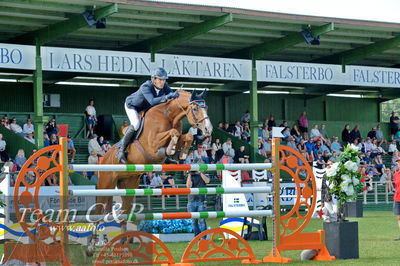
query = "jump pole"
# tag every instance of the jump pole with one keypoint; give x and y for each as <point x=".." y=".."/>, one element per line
<point x="168" y="191"/>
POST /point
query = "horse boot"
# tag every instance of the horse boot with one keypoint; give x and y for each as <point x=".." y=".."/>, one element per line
<point x="121" y="156"/>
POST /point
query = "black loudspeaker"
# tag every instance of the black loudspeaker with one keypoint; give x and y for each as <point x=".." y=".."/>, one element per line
<point x="104" y="126"/>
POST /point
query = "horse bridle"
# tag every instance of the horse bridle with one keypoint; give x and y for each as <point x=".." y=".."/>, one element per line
<point x="198" y="103"/>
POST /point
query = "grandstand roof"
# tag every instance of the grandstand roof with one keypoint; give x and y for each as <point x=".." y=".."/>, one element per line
<point x="202" y="31"/>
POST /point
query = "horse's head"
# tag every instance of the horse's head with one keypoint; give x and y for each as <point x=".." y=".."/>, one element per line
<point x="196" y="113"/>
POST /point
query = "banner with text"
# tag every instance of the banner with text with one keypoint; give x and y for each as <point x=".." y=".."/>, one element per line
<point x="132" y="63"/>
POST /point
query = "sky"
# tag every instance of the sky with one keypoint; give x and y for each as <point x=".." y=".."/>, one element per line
<point x="375" y="10"/>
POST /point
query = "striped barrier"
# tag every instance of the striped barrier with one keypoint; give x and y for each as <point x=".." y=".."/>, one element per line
<point x="288" y="228"/>
<point x="167" y="167"/>
<point x="174" y="215"/>
<point x="168" y="191"/>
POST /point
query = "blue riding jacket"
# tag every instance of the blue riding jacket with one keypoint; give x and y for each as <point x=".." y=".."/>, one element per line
<point x="146" y="96"/>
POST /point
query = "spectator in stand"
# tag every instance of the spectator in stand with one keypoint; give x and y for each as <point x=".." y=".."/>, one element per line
<point x="207" y="145"/>
<point x="227" y="147"/>
<point x="53" y="140"/>
<point x="16" y="128"/>
<point x="246" y="133"/>
<point x="392" y="147"/>
<point x="197" y="179"/>
<point x="326" y="156"/>
<point x="226" y="158"/>
<point x="320" y="163"/>
<point x="379" y="136"/>
<point x="46" y="140"/>
<point x="334" y="158"/>
<point x="241" y="156"/>
<point x="295" y="133"/>
<point x="394" y="158"/>
<point x="196" y="133"/>
<point x="355" y="133"/>
<point x="264" y="132"/>
<point x="227" y="128"/>
<point x="267" y="147"/>
<point x="387" y="179"/>
<point x="93" y="158"/>
<point x="29" y="137"/>
<point x="246" y="117"/>
<point x="291" y="143"/>
<point x="51" y="127"/>
<point x="167" y="180"/>
<point x="284" y="124"/>
<point x="106" y="146"/>
<point x="322" y="147"/>
<point x="394" y="124"/>
<point x="91" y="117"/>
<point x="20" y="159"/>
<point x="190" y="158"/>
<point x="346" y="137"/>
<point x="6" y="122"/>
<point x="301" y="147"/>
<point x="379" y="165"/>
<point x="310" y="145"/>
<point x="51" y="180"/>
<point x="368" y="159"/>
<point x="155" y="180"/>
<point x="323" y="132"/>
<point x="213" y="158"/>
<point x="28" y="127"/>
<point x="217" y="146"/>
<point x="93" y="146"/>
<point x="71" y="149"/>
<point x="335" y="146"/>
<point x="315" y="132"/>
<point x="201" y="154"/>
<point x="377" y="149"/>
<point x="220" y="126"/>
<point x="286" y="133"/>
<point x="123" y="128"/>
<point x="271" y="122"/>
<point x="303" y="124"/>
<point x="262" y="147"/>
<point x="372" y="133"/>
<point x="368" y="145"/>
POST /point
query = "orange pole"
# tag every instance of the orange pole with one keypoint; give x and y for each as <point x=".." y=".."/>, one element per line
<point x="64" y="193"/>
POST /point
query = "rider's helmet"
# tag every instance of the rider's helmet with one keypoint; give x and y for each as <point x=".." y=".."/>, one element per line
<point x="160" y="73"/>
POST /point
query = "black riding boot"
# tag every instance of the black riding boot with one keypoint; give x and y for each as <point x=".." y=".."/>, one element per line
<point x="121" y="156"/>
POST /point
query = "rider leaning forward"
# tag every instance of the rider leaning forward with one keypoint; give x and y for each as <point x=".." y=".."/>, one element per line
<point x="150" y="93"/>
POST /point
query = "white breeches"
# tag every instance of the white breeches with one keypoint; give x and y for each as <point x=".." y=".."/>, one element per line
<point x="133" y="117"/>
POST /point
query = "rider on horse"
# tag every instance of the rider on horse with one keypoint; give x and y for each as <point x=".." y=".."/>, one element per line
<point x="150" y="93"/>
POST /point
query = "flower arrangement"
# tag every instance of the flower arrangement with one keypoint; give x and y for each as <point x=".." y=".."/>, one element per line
<point x="166" y="226"/>
<point x="345" y="181"/>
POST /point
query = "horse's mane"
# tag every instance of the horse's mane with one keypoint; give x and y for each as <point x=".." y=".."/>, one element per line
<point x="182" y="95"/>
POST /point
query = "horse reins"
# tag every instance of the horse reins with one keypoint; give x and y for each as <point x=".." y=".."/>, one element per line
<point x="197" y="122"/>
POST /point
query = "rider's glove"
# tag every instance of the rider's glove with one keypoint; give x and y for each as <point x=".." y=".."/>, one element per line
<point x="172" y="95"/>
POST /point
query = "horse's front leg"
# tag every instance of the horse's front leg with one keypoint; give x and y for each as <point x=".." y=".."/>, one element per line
<point x="167" y="139"/>
<point x="184" y="141"/>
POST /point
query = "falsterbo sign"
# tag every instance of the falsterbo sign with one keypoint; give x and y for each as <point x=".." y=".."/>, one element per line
<point x="132" y="63"/>
<point x="327" y="74"/>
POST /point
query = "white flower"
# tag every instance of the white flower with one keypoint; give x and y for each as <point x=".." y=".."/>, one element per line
<point x="346" y="179"/>
<point x="351" y="166"/>
<point x="353" y="147"/>
<point x="331" y="185"/>
<point x="356" y="181"/>
<point x="349" y="191"/>
<point x="358" y="160"/>
<point x="331" y="171"/>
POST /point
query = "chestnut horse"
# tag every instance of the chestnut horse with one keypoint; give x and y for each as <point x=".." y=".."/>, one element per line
<point x="161" y="137"/>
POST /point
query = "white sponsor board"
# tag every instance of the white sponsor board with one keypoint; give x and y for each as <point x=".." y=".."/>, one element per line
<point x="307" y="73"/>
<point x="134" y="63"/>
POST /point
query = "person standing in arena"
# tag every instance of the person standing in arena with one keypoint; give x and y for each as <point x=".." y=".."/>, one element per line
<point x="150" y="93"/>
<point x="396" y="197"/>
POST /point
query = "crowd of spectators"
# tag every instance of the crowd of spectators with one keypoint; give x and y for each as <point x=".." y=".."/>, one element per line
<point x="318" y="148"/>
